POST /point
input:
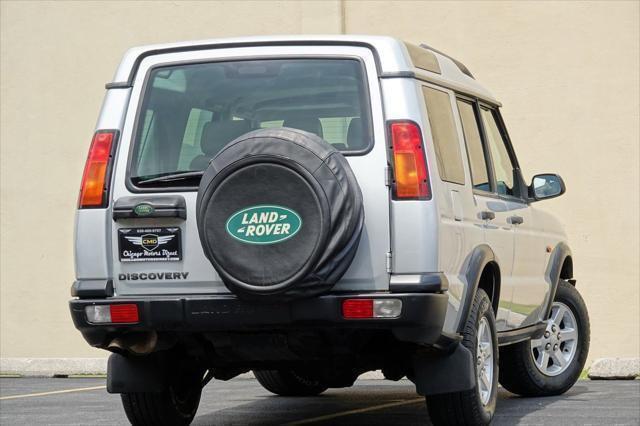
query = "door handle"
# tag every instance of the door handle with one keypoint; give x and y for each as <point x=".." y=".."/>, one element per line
<point x="516" y="220"/>
<point x="487" y="215"/>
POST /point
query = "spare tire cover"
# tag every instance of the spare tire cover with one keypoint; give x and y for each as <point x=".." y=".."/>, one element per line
<point x="279" y="214"/>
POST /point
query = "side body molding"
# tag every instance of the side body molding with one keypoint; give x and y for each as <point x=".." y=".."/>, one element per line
<point x="472" y="270"/>
<point x="552" y="274"/>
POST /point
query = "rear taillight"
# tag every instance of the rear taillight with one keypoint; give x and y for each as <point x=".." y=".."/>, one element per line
<point x="109" y="314"/>
<point x="411" y="178"/>
<point x="371" y="308"/>
<point x="357" y="308"/>
<point x="124" y="313"/>
<point x="97" y="170"/>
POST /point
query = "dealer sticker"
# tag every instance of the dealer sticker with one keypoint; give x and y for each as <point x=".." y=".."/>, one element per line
<point x="149" y="244"/>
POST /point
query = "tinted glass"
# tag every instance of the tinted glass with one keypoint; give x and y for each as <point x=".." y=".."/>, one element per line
<point x="477" y="158"/>
<point x="423" y="58"/>
<point x="502" y="166"/>
<point x="445" y="136"/>
<point x="190" y="112"/>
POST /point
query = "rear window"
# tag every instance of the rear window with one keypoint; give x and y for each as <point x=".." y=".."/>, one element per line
<point x="190" y="112"/>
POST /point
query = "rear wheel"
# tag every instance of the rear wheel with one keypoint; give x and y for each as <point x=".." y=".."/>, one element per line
<point x="289" y="383"/>
<point x="175" y="405"/>
<point x="475" y="406"/>
<point x="551" y="364"/>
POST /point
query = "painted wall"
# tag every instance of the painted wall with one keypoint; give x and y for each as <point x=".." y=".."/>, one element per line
<point x="567" y="74"/>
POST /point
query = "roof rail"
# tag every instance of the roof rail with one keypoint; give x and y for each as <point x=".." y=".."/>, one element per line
<point x="459" y="64"/>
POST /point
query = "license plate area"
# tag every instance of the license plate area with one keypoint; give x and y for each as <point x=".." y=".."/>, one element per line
<point x="157" y="244"/>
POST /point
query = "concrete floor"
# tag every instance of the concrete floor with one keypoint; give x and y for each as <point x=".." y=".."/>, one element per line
<point x="84" y="401"/>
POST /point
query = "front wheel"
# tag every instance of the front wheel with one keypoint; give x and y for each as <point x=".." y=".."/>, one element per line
<point x="551" y="364"/>
<point x="475" y="406"/>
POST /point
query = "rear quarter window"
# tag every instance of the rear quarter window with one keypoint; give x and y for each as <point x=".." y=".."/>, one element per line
<point x="445" y="136"/>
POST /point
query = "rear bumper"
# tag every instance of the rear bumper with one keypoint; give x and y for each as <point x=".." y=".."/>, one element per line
<point x="420" y="321"/>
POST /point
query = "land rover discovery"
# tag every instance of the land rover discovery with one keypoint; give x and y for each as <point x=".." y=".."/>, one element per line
<point x="310" y="209"/>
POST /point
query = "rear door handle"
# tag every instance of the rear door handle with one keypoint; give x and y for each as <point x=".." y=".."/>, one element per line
<point x="516" y="220"/>
<point x="487" y="215"/>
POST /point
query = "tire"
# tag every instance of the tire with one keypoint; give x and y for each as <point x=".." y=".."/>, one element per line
<point x="469" y="407"/>
<point x="303" y="189"/>
<point x="519" y="373"/>
<point x="171" y="407"/>
<point x="289" y="383"/>
<point x="176" y="404"/>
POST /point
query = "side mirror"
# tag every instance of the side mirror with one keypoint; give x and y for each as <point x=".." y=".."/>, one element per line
<point x="545" y="186"/>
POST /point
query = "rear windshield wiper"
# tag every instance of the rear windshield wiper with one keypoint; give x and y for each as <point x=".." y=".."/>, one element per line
<point x="172" y="177"/>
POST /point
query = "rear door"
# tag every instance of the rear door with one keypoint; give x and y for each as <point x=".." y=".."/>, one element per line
<point x="490" y="210"/>
<point x="458" y="230"/>
<point x="186" y="106"/>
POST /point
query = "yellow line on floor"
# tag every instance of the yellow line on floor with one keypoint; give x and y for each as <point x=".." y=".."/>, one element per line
<point x="356" y="411"/>
<point x="29" y="395"/>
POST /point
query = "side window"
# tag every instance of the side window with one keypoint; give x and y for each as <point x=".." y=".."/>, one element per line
<point x="148" y="142"/>
<point x="341" y="132"/>
<point x="445" y="137"/>
<point x="271" y="123"/>
<point x="336" y="130"/>
<point x="475" y="149"/>
<point x="192" y="135"/>
<point x="502" y="166"/>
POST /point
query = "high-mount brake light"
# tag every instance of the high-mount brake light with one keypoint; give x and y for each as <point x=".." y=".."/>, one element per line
<point x="93" y="190"/>
<point x="411" y="178"/>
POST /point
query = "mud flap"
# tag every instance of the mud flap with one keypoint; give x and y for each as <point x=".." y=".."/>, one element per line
<point x="446" y="373"/>
<point x="125" y="375"/>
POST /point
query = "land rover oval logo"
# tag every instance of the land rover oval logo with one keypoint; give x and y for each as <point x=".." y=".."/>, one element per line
<point x="264" y="224"/>
<point x="143" y="209"/>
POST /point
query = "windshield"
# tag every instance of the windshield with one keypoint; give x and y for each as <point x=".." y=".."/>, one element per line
<point x="190" y="112"/>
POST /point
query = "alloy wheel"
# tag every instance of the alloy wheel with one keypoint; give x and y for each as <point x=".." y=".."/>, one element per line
<point x="484" y="361"/>
<point x="556" y="349"/>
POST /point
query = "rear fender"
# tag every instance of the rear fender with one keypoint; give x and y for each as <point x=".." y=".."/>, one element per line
<point x="474" y="265"/>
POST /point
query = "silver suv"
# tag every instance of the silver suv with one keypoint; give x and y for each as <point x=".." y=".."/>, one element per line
<point x="312" y="208"/>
